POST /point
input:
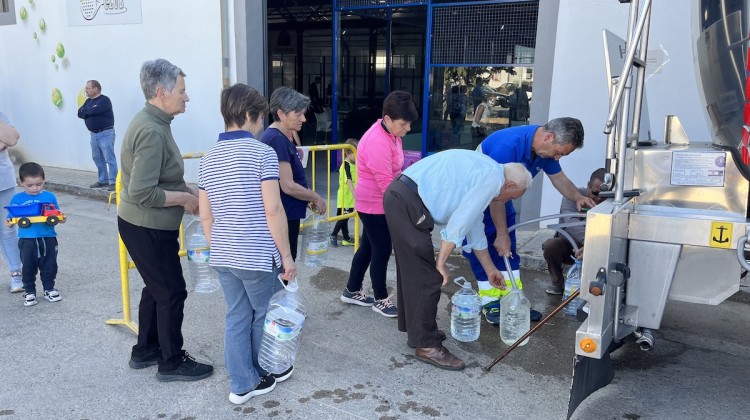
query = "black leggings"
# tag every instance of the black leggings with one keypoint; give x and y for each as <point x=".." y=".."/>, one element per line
<point x="374" y="252"/>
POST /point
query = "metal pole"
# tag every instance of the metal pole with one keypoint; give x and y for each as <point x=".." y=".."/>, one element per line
<point x="335" y="65"/>
<point x="633" y="43"/>
<point x="124" y="267"/>
<point x="626" y="68"/>
<point x="640" y="80"/>
<point x="426" y="93"/>
<point x="533" y="330"/>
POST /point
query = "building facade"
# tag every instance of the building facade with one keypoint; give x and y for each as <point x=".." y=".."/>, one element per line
<point x="539" y="59"/>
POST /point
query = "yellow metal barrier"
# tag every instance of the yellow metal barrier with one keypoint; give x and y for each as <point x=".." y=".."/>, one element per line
<point x="126" y="264"/>
<point x="333" y="148"/>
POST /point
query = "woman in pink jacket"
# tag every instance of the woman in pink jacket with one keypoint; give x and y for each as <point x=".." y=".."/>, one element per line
<point x="379" y="160"/>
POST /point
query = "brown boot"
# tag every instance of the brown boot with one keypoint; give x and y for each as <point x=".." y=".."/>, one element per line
<point x="441" y="336"/>
<point x="440" y="357"/>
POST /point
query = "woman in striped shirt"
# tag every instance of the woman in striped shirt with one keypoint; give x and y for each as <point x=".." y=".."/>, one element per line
<point x="243" y="218"/>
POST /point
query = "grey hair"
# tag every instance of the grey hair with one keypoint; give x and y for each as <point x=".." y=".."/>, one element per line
<point x="156" y="73"/>
<point x="517" y="173"/>
<point x="566" y="130"/>
<point x="286" y="100"/>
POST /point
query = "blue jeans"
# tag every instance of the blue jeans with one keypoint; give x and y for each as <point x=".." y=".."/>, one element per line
<point x="9" y="235"/>
<point x="103" y="153"/>
<point x="246" y="293"/>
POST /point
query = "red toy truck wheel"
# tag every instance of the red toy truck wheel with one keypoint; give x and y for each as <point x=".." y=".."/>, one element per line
<point x="24" y="222"/>
<point x="52" y="220"/>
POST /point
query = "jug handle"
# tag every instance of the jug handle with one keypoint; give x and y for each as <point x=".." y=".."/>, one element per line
<point x="463" y="281"/>
<point x="509" y="270"/>
<point x="292" y="286"/>
<point x="576" y="264"/>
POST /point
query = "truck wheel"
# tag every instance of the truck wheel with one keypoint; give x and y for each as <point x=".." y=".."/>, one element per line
<point x="24" y="222"/>
<point x="52" y="220"/>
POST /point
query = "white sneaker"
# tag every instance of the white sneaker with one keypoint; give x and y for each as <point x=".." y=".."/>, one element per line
<point x="266" y="385"/>
<point x="16" y="282"/>
<point x="52" y="295"/>
<point x="29" y="299"/>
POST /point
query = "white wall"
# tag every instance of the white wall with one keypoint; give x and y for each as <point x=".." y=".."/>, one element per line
<point x="579" y="85"/>
<point x="188" y="34"/>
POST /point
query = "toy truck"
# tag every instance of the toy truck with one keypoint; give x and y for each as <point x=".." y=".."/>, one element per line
<point x="25" y="215"/>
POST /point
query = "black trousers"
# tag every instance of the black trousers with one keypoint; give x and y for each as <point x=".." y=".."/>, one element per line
<point x="557" y="251"/>
<point x="374" y="252"/>
<point x="38" y="254"/>
<point x="342" y="225"/>
<point x="293" y="225"/>
<point x="418" y="281"/>
<point x="160" y="312"/>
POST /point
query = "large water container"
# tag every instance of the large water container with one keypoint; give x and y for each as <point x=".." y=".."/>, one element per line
<point x="573" y="283"/>
<point x="465" y="318"/>
<point x="282" y="328"/>
<point x="515" y="312"/>
<point x="315" y="233"/>
<point x="199" y="254"/>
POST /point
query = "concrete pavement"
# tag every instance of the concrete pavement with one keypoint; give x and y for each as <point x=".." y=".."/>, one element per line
<point x="61" y="360"/>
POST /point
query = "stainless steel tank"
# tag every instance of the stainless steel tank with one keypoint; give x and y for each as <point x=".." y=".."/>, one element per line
<point x="680" y="235"/>
<point x="722" y="60"/>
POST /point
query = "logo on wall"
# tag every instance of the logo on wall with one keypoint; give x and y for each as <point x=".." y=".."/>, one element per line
<point x="103" y="12"/>
<point x="90" y="8"/>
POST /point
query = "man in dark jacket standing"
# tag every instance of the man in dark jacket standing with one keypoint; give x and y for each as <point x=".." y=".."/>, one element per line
<point x="97" y="113"/>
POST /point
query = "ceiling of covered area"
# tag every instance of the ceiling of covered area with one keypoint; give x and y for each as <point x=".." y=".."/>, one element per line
<point x="519" y="24"/>
<point x="281" y="12"/>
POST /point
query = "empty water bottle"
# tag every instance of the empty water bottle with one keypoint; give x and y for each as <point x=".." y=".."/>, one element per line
<point x="465" y="318"/>
<point x="515" y="312"/>
<point x="199" y="254"/>
<point x="315" y="240"/>
<point x="573" y="283"/>
<point x="282" y="328"/>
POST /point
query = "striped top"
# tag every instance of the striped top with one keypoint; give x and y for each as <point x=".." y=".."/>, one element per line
<point x="231" y="173"/>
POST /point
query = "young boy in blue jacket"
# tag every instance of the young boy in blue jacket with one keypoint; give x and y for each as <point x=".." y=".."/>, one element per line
<point x="38" y="241"/>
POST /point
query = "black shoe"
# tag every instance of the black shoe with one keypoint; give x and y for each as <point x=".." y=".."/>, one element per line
<point x="283" y="376"/>
<point x="266" y="385"/>
<point x="187" y="370"/>
<point x="150" y="358"/>
<point x="98" y="185"/>
<point x="535" y="315"/>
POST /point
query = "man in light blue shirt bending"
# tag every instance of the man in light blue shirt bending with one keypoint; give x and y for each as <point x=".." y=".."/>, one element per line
<point x="451" y="189"/>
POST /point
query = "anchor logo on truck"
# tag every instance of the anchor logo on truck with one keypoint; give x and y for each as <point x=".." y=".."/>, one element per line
<point x="721" y="235"/>
<point x="721" y="239"/>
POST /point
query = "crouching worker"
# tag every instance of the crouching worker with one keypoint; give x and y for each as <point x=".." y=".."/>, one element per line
<point x="451" y="189"/>
<point x="558" y="250"/>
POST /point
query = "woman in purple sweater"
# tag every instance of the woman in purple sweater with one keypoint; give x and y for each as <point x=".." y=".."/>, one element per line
<point x="380" y="157"/>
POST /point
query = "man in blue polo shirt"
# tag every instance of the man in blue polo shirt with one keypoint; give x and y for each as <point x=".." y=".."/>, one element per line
<point x="538" y="148"/>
